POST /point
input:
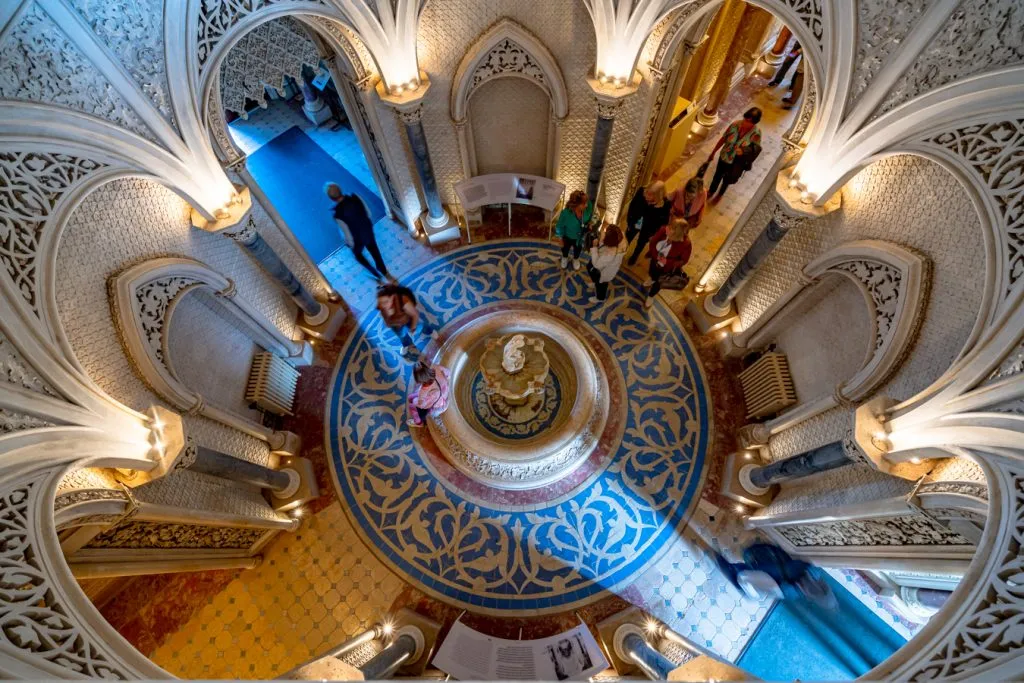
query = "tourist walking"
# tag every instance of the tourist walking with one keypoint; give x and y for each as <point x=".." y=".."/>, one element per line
<point x="429" y="397"/>
<point x="670" y="251"/>
<point x="571" y="225"/>
<point x="398" y="308"/>
<point x="796" y="88"/>
<point x="740" y="145"/>
<point x="353" y="219"/>
<point x="647" y="213"/>
<point x="794" y="54"/>
<point x="688" y="200"/>
<point x="605" y="261"/>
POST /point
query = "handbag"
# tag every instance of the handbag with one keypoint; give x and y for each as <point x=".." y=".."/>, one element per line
<point x="676" y="281"/>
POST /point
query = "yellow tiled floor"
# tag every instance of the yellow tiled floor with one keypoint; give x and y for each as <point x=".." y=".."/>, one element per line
<point x="315" y="589"/>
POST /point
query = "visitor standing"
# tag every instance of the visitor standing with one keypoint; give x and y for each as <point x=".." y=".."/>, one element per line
<point x="398" y="308"/>
<point x="670" y="251"/>
<point x="740" y="145"/>
<point x="605" y="261"/>
<point x="572" y="222"/>
<point x="429" y="398"/>
<point x="356" y="228"/>
<point x="647" y="213"/>
<point x="796" y="88"/>
<point x="689" y="200"/>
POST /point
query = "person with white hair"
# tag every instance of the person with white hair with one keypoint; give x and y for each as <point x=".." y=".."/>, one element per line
<point x="647" y="213"/>
<point x="353" y="219"/>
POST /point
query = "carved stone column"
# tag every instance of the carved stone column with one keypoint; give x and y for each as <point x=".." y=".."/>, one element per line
<point x="708" y="116"/>
<point x="236" y="221"/>
<point x="313" y="106"/>
<point x="748" y="482"/>
<point x="287" y="488"/>
<point x="714" y="311"/>
<point x="408" y="104"/>
<point x="609" y="96"/>
<point x="632" y="646"/>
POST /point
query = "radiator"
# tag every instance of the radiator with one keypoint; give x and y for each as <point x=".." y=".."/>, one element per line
<point x="767" y="386"/>
<point x="272" y="384"/>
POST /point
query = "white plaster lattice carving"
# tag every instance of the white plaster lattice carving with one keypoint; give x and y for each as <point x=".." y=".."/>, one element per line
<point x="153" y="299"/>
<point x="34" y="618"/>
<point x="32" y="185"/>
<point x="1012" y="365"/>
<point x="919" y="530"/>
<point x="14" y="370"/>
<point x="883" y="283"/>
<point x="216" y="18"/>
<point x="980" y="35"/>
<point x="507" y="57"/>
<point x="881" y="29"/>
<point x="41" y="64"/>
<point x="995" y="151"/>
<point x="265" y="56"/>
<point x="134" y="31"/>
<point x="809" y="13"/>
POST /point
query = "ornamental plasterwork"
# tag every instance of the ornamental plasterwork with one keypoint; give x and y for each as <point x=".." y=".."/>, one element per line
<point x="505" y="58"/>
<point x="996" y="153"/>
<point x="134" y="31"/>
<point x="807" y="107"/>
<point x="962" y="488"/>
<point x="34" y="619"/>
<point x="138" y="535"/>
<point x="979" y="36"/>
<point x="31" y="184"/>
<point x="883" y="284"/>
<point x="890" y="531"/>
<point x="993" y="629"/>
<point x="809" y="13"/>
<point x="265" y="56"/>
<point x="15" y="370"/>
<point x="881" y="28"/>
<point x="11" y="421"/>
<point x="364" y="116"/>
<point x="153" y="300"/>
<point x="667" y="30"/>
<point x="216" y="18"/>
<point x="40" y="64"/>
<point x="355" y="50"/>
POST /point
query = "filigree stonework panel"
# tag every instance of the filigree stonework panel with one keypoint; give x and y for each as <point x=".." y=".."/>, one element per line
<point x="508" y="57"/>
<point x="161" y="535"/>
<point x="883" y="283"/>
<point x="153" y="299"/>
<point x="134" y="31"/>
<point x="915" y="530"/>
<point x="993" y="631"/>
<point x="981" y="35"/>
<point x="40" y="64"/>
<point x="31" y="616"/>
<point x="809" y="12"/>
<point x="14" y="370"/>
<point x="31" y="184"/>
<point x="996" y="153"/>
<point x="265" y="56"/>
<point x="881" y="27"/>
<point x="378" y="153"/>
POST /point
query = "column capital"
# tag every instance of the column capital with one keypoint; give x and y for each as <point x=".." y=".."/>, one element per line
<point x="407" y="100"/>
<point x="235" y="212"/>
<point x="243" y="233"/>
<point x="794" y="201"/>
<point x="611" y="94"/>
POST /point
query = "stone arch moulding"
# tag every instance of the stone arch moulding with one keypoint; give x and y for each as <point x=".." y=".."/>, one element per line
<point x="894" y="281"/>
<point x="507" y="50"/>
<point x="145" y="297"/>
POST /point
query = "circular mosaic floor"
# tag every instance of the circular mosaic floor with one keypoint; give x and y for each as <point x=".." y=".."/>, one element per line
<point x="544" y="548"/>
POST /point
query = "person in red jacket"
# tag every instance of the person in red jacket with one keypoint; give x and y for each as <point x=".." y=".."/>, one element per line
<point x="669" y="251"/>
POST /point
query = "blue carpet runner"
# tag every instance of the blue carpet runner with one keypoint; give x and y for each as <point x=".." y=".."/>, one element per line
<point x="292" y="170"/>
<point x="798" y="640"/>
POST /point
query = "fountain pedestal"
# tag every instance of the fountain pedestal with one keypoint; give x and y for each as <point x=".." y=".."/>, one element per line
<point x="515" y="369"/>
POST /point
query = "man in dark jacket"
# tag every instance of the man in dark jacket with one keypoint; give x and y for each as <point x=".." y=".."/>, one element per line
<point x="351" y="214"/>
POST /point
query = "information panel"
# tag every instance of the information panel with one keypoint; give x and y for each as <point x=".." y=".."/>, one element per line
<point x="509" y="188"/>
<point x="469" y="655"/>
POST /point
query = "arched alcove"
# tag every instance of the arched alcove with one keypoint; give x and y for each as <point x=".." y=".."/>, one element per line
<point x="484" y="103"/>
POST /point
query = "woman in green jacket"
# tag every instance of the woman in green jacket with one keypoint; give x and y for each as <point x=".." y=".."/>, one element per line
<point x="571" y="225"/>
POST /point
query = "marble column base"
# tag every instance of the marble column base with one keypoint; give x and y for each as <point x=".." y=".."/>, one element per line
<point x="318" y="113"/>
<point x="443" y="231"/>
<point x="284" y="444"/>
<point x="429" y="630"/>
<point x="706" y="321"/>
<point x="704" y="123"/>
<point x="607" y="629"/>
<point x="327" y="327"/>
<point x="736" y="484"/>
<point x="303" y="489"/>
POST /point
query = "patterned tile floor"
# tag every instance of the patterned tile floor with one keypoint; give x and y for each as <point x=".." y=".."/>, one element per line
<point x="263" y="125"/>
<point x="321" y="585"/>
